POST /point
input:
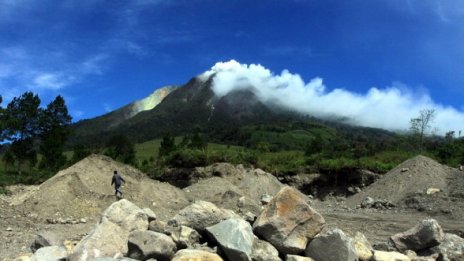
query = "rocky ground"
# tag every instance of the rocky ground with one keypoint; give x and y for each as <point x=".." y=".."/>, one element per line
<point x="71" y="203"/>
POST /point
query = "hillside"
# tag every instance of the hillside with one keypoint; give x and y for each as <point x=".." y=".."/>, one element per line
<point x="90" y="130"/>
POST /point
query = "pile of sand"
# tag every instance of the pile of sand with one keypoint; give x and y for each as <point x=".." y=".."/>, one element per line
<point x="84" y="190"/>
<point x="413" y="176"/>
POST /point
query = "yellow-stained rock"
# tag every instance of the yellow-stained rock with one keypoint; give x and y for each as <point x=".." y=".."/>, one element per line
<point x="195" y="255"/>
<point x="390" y="256"/>
<point x="363" y="247"/>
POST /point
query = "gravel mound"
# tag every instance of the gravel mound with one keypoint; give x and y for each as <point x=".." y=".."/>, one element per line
<point x="84" y="190"/>
<point x="414" y="176"/>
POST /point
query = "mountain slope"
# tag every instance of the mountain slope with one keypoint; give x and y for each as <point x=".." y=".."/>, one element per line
<point x="235" y="118"/>
<point x="90" y="130"/>
<point x="195" y="106"/>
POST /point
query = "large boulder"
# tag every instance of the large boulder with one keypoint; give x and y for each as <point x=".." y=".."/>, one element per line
<point x="145" y="244"/>
<point x="235" y="238"/>
<point x="195" y="255"/>
<point x="451" y="249"/>
<point x="202" y="214"/>
<point x="45" y="238"/>
<point x="109" y="237"/>
<point x="426" y="234"/>
<point x="50" y="253"/>
<point x="264" y="251"/>
<point x="332" y="245"/>
<point x="288" y="222"/>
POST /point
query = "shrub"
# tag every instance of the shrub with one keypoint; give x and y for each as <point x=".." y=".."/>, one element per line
<point x="187" y="158"/>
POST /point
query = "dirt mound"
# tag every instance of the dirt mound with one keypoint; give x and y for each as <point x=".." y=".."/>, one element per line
<point x="415" y="175"/>
<point x="232" y="186"/>
<point x="84" y="190"/>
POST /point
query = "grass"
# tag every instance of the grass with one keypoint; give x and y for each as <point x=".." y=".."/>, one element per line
<point x="276" y="162"/>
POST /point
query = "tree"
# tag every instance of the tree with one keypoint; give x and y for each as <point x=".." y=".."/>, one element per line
<point x="120" y="148"/>
<point x="8" y="159"/>
<point x="54" y="123"/>
<point x="421" y="125"/>
<point x="167" y="145"/>
<point x="198" y="142"/>
<point x="21" y="127"/>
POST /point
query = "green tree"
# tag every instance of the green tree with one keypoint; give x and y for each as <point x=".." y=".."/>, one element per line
<point x="21" y="127"/>
<point x="198" y="142"/>
<point x="315" y="145"/>
<point x="120" y="148"/>
<point x="54" y="123"/>
<point x="420" y="126"/>
<point x="8" y="159"/>
<point x="167" y="145"/>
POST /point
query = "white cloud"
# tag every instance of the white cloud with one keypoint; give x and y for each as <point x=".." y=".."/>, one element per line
<point x="389" y="108"/>
<point x="93" y="65"/>
<point x="52" y="81"/>
<point x="31" y="70"/>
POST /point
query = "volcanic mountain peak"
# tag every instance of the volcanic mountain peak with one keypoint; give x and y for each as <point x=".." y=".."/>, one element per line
<point x="151" y="101"/>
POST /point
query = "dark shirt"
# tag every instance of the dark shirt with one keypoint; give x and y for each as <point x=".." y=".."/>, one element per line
<point x="117" y="180"/>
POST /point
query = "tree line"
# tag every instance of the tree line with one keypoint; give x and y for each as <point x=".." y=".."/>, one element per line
<point x="28" y="130"/>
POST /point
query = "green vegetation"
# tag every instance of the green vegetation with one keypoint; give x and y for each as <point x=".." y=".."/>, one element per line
<point x="35" y="140"/>
<point x="32" y="139"/>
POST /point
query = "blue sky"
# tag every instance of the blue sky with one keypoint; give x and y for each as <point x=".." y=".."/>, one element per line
<point x="101" y="55"/>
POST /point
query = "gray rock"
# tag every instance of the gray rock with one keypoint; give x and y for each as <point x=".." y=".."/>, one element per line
<point x="265" y="199"/>
<point x="367" y="202"/>
<point x="184" y="237"/>
<point x="150" y="214"/>
<point x="451" y="249"/>
<point x="264" y="251"/>
<point x="45" y="238"/>
<point x="249" y="217"/>
<point x="202" y="214"/>
<point x="109" y="237"/>
<point x="145" y="244"/>
<point x="385" y="246"/>
<point x="332" y="245"/>
<point x="426" y="234"/>
<point x="50" y="253"/>
<point x="158" y="226"/>
<point x="235" y="237"/>
<point x="288" y="222"/>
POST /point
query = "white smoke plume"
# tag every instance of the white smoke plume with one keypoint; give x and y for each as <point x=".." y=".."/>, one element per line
<point x="390" y="108"/>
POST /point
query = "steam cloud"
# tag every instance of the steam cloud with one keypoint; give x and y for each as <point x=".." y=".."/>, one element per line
<point x="389" y="108"/>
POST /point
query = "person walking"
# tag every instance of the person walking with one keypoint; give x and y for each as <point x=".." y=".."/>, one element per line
<point x="117" y="181"/>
